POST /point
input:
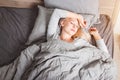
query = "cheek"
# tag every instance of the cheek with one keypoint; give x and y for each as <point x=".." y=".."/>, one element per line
<point x="74" y="29"/>
<point x="67" y="26"/>
<point x="77" y="30"/>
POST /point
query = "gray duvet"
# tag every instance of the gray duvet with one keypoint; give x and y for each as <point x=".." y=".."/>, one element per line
<point x="58" y="60"/>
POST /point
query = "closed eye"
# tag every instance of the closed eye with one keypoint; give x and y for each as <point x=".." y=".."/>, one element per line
<point x="74" y="24"/>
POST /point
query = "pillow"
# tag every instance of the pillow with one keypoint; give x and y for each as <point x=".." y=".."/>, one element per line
<point x="40" y="27"/>
<point x="77" y="6"/>
<point x="15" y="26"/>
<point x="59" y="13"/>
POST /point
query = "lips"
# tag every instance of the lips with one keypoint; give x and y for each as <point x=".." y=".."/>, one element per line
<point x="73" y="30"/>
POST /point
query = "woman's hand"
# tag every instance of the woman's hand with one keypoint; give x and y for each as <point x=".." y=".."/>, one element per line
<point x="94" y="32"/>
<point x="82" y="22"/>
<point x="79" y="18"/>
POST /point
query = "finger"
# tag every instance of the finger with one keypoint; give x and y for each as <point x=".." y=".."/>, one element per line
<point x="83" y="24"/>
<point x="81" y="21"/>
<point x="92" y="29"/>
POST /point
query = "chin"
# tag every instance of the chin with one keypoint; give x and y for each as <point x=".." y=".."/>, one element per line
<point x="72" y="34"/>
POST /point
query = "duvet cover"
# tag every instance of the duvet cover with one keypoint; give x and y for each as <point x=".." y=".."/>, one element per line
<point x="58" y="60"/>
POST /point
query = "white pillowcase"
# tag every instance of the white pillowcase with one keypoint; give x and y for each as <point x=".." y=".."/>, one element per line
<point x="53" y="28"/>
<point x="41" y="23"/>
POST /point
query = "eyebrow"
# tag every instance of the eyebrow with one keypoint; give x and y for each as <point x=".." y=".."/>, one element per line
<point x="75" y="24"/>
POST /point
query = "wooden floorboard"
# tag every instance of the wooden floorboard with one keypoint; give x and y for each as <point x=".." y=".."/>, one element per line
<point x="117" y="53"/>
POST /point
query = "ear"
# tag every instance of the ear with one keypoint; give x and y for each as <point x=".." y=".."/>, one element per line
<point x="62" y="22"/>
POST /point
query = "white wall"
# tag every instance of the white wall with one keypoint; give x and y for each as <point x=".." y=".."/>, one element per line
<point x="107" y="7"/>
<point x="111" y="8"/>
<point x="116" y="11"/>
<point x="117" y="24"/>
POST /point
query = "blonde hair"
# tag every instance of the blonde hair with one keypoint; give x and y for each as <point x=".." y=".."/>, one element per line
<point x="77" y="34"/>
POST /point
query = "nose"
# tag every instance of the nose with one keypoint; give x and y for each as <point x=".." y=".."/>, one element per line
<point x="74" y="26"/>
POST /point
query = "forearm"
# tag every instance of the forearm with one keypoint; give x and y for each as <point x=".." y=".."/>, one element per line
<point x="99" y="41"/>
<point x="101" y="45"/>
<point x="97" y="36"/>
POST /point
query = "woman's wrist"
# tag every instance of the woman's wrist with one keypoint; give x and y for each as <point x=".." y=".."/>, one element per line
<point x="97" y="37"/>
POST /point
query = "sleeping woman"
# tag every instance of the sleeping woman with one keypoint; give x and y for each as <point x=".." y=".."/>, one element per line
<point x="71" y="29"/>
<point x="67" y="56"/>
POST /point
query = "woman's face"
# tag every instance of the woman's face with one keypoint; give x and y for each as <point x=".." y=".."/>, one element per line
<point x="70" y="25"/>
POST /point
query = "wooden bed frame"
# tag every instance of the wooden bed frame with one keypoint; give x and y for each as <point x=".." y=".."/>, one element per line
<point x="106" y="6"/>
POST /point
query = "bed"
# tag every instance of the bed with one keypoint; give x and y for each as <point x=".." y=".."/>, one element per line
<point x="20" y="28"/>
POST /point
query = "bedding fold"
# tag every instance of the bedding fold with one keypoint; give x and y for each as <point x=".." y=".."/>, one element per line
<point x="58" y="60"/>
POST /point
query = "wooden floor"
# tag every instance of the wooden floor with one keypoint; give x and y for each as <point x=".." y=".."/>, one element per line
<point x="117" y="52"/>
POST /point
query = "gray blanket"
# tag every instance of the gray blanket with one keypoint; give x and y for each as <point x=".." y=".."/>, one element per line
<point x="59" y="60"/>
